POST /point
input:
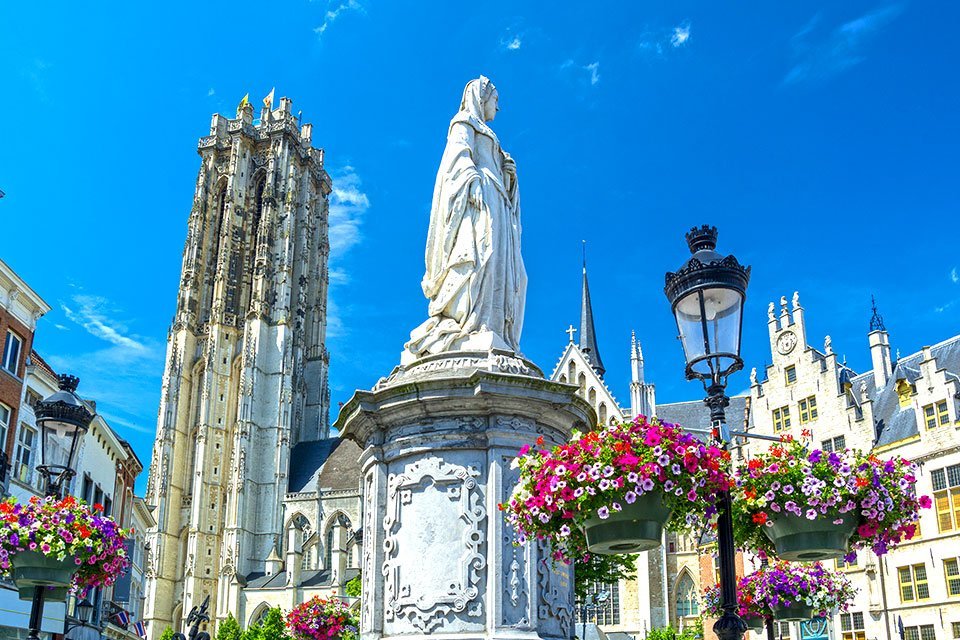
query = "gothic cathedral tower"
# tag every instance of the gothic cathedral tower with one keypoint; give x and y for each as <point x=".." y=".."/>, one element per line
<point x="246" y="365"/>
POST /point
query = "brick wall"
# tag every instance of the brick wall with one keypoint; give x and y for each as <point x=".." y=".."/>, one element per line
<point x="11" y="387"/>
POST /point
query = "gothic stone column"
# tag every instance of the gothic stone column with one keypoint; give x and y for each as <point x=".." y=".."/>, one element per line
<point x="438" y="556"/>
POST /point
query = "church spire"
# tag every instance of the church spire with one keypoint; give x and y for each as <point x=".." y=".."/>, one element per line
<point x="588" y="336"/>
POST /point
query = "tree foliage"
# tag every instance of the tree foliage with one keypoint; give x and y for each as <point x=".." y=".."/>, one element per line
<point x="271" y="627"/>
<point x="669" y="633"/>
<point x="229" y="629"/>
<point x="167" y="634"/>
<point x="602" y="569"/>
<point x="353" y="587"/>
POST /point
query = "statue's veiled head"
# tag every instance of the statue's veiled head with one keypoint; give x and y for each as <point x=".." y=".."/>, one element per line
<point x="480" y="99"/>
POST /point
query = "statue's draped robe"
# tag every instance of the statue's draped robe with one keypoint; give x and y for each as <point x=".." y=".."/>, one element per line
<point x="475" y="279"/>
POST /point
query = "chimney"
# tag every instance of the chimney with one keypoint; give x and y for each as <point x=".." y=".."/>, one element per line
<point x="879" y="348"/>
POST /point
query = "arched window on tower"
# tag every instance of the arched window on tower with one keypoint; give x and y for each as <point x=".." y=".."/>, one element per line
<point x="218" y="226"/>
<point x="257" y="210"/>
<point x="582" y="381"/>
<point x="602" y="413"/>
<point x="571" y="371"/>
<point x="687" y="604"/>
<point x="592" y="397"/>
<point x="328" y="549"/>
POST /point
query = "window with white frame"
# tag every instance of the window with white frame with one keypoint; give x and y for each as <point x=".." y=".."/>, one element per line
<point x="11" y="352"/>
<point x="23" y="457"/>
<point x="4" y="424"/>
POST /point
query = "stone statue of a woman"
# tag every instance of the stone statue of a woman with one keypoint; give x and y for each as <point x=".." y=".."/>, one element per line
<point x="475" y="281"/>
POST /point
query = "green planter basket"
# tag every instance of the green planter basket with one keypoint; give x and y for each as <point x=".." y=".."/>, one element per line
<point x="796" y="611"/>
<point x="638" y="527"/>
<point x="756" y="625"/>
<point x="50" y="594"/>
<point x="32" y="569"/>
<point x="800" y="540"/>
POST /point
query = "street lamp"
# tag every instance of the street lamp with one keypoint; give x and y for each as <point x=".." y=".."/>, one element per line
<point x="707" y="295"/>
<point x="594" y="603"/>
<point x="63" y="418"/>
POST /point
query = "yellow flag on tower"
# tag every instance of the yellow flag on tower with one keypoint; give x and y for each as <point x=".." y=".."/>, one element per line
<point x="268" y="101"/>
<point x="244" y="102"/>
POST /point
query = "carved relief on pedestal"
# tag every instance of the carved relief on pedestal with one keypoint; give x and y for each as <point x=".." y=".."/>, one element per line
<point x="515" y="559"/>
<point x="443" y="507"/>
<point x="555" y="611"/>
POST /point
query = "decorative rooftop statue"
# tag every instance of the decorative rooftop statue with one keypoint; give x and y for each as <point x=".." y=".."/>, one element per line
<point x="475" y="280"/>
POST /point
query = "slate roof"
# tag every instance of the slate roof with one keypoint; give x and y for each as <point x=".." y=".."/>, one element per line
<point x="331" y="463"/>
<point x="319" y="578"/>
<point x="892" y="422"/>
<point x="695" y="415"/>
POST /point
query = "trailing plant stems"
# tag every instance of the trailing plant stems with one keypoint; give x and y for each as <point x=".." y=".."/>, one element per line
<point x="730" y="626"/>
<point x="36" y="609"/>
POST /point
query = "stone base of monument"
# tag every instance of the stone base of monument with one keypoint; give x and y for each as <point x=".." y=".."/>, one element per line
<point x="439" y="436"/>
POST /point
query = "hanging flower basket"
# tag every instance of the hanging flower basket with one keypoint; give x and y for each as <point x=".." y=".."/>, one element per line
<point x="637" y="527"/>
<point x="59" y="543"/>
<point x="613" y="490"/>
<point x="749" y="610"/>
<point x="322" y="619"/>
<point x="793" y="612"/>
<point x="754" y="624"/>
<point x="807" y="505"/>
<point x="799" y="539"/>
<point x="794" y="591"/>
<point x="785" y="591"/>
<point x="32" y="569"/>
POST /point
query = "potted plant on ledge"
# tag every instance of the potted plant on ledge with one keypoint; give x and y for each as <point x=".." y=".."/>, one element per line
<point x="813" y="505"/>
<point x="614" y="490"/>
<point x="61" y="544"/>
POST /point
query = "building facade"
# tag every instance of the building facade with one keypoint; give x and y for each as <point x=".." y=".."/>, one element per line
<point x="904" y="406"/>
<point x="255" y="504"/>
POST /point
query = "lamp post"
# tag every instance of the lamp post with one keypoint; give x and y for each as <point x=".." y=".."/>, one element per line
<point x="83" y="612"/>
<point x="63" y="418"/>
<point x="707" y="295"/>
<point x="592" y="603"/>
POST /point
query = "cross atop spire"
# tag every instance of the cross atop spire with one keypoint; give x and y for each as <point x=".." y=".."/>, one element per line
<point x="588" y="336"/>
<point x="570" y="331"/>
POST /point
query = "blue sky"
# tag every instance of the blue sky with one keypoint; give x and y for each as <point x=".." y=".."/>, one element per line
<point x="820" y="137"/>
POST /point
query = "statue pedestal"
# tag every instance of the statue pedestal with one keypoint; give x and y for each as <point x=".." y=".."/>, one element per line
<point x="438" y="437"/>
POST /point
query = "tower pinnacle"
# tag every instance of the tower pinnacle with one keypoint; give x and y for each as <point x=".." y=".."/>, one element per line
<point x="588" y="336"/>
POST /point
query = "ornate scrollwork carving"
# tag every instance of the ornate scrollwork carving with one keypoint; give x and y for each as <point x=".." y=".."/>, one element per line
<point x="459" y="484"/>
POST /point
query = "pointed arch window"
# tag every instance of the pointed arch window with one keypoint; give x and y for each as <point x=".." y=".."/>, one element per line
<point x="257" y="209"/>
<point x="602" y="413"/>
<point x="571" y="371"/>
<point x="328" y="549"/>
<point x="582" y="381"/>
<point x="687" y="604"/>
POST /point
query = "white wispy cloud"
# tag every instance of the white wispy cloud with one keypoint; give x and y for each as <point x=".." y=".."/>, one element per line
<point x="512" y="44"/>
<point x="820" y="57"/>
<point x="332" y="14"/>
<point x="586" y="72"/>
<point x="954" y="276"/>
<point x="94" y="313"/>
<point x="658" y="42"/>
<point x="594" y="69"/>
<point x="680" y="35"/>
<point x="119" y="369"/>
<point x="210" y="92"/>
<point x="348" y="204"/>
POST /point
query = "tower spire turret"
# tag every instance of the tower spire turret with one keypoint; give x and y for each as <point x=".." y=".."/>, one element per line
<point x="588" y="336"/>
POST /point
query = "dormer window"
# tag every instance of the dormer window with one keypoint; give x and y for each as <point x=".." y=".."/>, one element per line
<point x="790" y="374"/>
<point x="905" y="391"/>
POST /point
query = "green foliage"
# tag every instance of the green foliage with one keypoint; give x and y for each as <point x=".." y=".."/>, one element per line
<point x="669" y="633"/>
<point x="272" y="627"/>
<point x="229" y="629"/>
<point x="603" y="569"/>
<point x="167" y="634"/>
<point x="353" y="587"/>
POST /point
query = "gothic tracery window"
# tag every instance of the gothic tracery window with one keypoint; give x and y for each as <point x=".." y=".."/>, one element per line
<point x="687" y="603"/>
